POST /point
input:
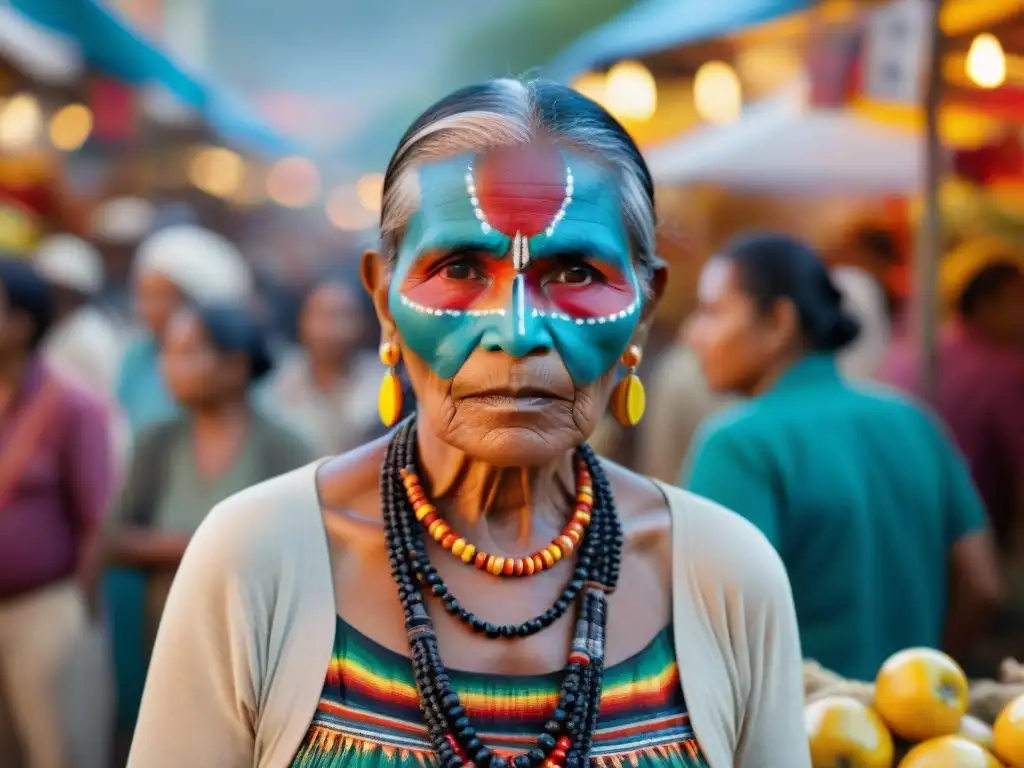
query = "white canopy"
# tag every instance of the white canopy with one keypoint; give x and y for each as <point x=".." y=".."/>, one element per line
<point x="40" y="53"/>
<point x="783" y="145"/>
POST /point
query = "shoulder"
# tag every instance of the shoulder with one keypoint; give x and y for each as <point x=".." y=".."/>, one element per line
<point x="889" y="402"/>
<point x="724" y="557"/>
<point x="254" y="539"/>
<point x="745" y="428"/>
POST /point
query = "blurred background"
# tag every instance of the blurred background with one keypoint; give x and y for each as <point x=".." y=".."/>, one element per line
<point x="886" y="134"/>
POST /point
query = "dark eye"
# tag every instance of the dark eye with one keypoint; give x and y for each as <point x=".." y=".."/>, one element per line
<point x="460" y="269"/>
<point x="576" y="275"/>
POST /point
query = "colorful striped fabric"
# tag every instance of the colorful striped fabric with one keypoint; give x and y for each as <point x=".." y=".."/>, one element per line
<point x="368" y="715"/>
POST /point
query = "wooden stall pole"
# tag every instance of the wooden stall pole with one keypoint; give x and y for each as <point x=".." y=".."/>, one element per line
<point x="930" y="240"/>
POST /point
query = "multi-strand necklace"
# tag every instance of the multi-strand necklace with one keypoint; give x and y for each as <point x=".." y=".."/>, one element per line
<point x="568" y="734"/>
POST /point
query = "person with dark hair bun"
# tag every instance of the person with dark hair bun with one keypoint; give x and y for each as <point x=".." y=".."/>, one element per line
<point x="212" y="355"/>
<point x="860" y="490"/>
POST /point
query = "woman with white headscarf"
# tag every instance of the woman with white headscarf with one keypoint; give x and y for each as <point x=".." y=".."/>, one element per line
<point x="177" y="265"/>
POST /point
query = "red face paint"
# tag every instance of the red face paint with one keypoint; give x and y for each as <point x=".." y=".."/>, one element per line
<point x="521" y="189"/>
<point x="553" y="286"/>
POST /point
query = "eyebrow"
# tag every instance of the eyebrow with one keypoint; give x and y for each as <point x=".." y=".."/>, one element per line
<point x="598" y="248"/>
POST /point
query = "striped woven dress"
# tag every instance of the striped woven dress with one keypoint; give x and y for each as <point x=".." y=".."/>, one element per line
<point x="369" y="717"/>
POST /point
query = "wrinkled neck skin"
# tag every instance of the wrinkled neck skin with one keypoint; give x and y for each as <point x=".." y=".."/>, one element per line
<point x="526" y="214"/>
<point x="512" y="506"/>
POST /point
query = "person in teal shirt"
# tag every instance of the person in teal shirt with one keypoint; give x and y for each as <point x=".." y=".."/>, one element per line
<point x="858" y="488"/>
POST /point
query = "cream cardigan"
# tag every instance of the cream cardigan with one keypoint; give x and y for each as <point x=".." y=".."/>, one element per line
<point x="248" y="631"/>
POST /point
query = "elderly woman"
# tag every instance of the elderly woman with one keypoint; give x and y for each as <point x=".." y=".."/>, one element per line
<point x="588" y="613"/>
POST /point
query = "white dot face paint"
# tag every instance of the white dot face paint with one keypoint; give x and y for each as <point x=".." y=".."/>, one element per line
<point x="713" y="279"/>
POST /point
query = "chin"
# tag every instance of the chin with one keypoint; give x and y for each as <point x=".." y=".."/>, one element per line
<point x="516" y="439"/>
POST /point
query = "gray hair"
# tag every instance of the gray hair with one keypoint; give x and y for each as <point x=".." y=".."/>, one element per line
<point x="508" y="112"/>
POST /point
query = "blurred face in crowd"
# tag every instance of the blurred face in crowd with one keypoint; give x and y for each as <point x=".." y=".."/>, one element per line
<point x="156" y="299"/>
<point x="737" y="344"/>
<point x="15" y="330"/>
<point x="331" y="323"/>
<point x="196" y="372"/>
<point x="1002" y="313"/>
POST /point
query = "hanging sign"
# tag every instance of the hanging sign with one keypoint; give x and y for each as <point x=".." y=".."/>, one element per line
<point x="897" y="40"/>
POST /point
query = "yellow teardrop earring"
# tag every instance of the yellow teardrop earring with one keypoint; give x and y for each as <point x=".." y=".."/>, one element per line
<point x="389" y="399"/>
<point x="629" y="401"/>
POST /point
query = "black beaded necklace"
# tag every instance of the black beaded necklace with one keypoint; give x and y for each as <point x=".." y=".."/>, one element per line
<point x="568" y="735"/>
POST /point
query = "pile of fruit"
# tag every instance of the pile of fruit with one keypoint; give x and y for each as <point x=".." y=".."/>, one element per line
<point x="921" y="712"/>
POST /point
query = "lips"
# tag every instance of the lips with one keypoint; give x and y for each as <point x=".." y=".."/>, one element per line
<point x="515" y="393"/>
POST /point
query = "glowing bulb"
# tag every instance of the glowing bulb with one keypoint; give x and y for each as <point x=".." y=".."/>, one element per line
<point x="20" y="122"/>
<point x="70" y="127"/>
<point x="591" y="85"/>
<point x="345" y="210"/>
<point x="217" y="171"/>
<point x="293" y="182"/>
<point x="630" y="91"/>
<point x="717" y="94"/>
<point x="986" y="62"/>
<point x="369" y="190"/>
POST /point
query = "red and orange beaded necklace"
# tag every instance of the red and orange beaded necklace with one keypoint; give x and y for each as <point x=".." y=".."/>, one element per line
<point x="561" y="546"/>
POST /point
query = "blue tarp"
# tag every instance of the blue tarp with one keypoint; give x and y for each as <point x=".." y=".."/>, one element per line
<point x="110" y="45"/>
<point x="653" y="25"/>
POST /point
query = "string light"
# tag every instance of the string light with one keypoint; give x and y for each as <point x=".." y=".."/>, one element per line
<point x="717" y="93"/>
<point x="346" y="211"/>
<point x="293" y="182"/>
<point x="630" y="91"/>
<point x="20" y="122"/>
<point x="217" y="171"/>
<point x="986" y="62"/>
<point x="369" y="190"/>
<point x="70" y="127"/>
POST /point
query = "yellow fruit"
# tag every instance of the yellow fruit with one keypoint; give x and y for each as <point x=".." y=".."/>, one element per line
<point x="1008" y="733"/>
<point x="978" y="731"/>
<point x="846" y="734"/>
<point x="949" y="752"/>
<point x="921" y="694"/>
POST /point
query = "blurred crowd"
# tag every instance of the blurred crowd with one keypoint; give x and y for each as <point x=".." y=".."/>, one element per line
<point x="122" y="423"/>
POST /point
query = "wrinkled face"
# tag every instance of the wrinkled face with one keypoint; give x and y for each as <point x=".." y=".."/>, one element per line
<point x="515" y="287"/>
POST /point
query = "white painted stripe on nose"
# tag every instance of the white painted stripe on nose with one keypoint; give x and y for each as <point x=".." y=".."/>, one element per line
<point x="519" y="303"/>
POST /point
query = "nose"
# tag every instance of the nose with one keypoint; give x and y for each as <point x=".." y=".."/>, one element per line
<point x="521" y="331"/>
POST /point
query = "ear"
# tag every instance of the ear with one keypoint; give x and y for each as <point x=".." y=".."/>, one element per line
<point x="376" y="278"/>
<point x="785" y="324"/>
<point x="659" y="279"/>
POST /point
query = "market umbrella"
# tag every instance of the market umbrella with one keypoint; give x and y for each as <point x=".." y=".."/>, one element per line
<point x="783" y="144"/>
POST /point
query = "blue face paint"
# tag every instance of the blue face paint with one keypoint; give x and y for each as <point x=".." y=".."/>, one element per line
<point x="466" y="276"/>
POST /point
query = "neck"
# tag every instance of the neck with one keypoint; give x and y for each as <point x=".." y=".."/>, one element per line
<point x="12" y="370"/>
<point x="775" y="372"/>
<point x="511" y="505"/>
<point x="216" y="416"/>
<point x="325" y="371"/>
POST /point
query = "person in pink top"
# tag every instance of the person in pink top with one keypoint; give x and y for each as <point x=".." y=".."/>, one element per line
<point x="980" y="396"/>
<point x="56" y="480"/>
<point x="980" y="387"/>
